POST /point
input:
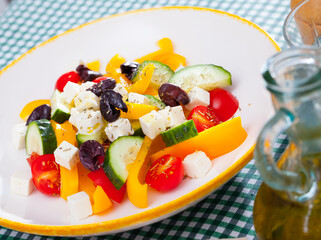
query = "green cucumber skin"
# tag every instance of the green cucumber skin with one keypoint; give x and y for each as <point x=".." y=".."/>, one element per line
<point x="57" y="114"/>
<point x="60" y="116"/>
<point x="159" y="67"/>
<point x="139" y="132"/>
<point x="81" y="138"/>
<point x="111" y="158"/>
<point x="179" y="133"/>
<point x="47" y="135"/>
<point x="180" y="78"/>
<point x="155" y="102"/>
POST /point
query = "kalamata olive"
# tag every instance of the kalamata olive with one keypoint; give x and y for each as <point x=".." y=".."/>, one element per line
<point x="99" y="88"/>
<point x="86" y="74"/>
<point x="90" y="153"/>
<point x="109" y="101"/>
<point x="41" y="112"/>
<point x="128" y="68"/>
<point x="172" y="95"/>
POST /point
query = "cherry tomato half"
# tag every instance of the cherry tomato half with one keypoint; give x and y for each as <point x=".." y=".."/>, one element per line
<point x="46" y="174"/>
<point x="67" y="77"/>
<point x="223" y="103"/>
<point x="32" y="158"/>
<point x="203" y="118"/>
<point x="165" y="173"/>
<point x="99" y="79"/>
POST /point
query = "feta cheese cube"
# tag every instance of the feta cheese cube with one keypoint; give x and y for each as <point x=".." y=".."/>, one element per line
<point x="66" y="155"/>
<point x="18" y="135"/>
<point x="121" y="90"/>
<point x="79" y="205"/>
<point x="198" y="96"/>
<point x="86" y="85"/>
<point x="21" y="182"/>
<point x="71" y="90"/>
<point x="197" y="164"/>
<point x="152" y="124"/>
<point x="74" y="115"/>
<point x="172" y="116"/>
<point x="121" y="127"/>
<point x="88" y="122"/>
<point x="86" y="100"/>
<point x="137" y="98"/>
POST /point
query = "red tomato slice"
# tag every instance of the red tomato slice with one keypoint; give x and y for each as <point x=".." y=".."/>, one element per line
<point x="100" y="178"/>
<point x="97" y="80"/>
<point x="32" y="158"/>
<point x="46" y="174"/>
<point x="223" y="103"/>
<point x="165" y="173"/>
<point x="67" y="77"/>
<point x="203" y="118"/>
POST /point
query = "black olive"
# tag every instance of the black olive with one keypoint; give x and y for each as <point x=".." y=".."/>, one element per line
<point x="172" y="95"/>
<point x="89" y="154"/>
<point x="41" y="112"/>
<point x="86" y="74"/>
<point x="109" y="101"/>
<point x="129" y="68"/>
<point x="99" y="88"/>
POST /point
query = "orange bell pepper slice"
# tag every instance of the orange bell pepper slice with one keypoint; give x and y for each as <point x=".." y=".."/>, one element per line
<point x="85" y="183"/>
<point x="136" y="186"/>
<point x="215" y="141"/>
<point x="135" y="110"/>
<point x="29" y="107"/>
<point x="69" y="181"/>
<point x="165" y="45"/>
<point x="64" y="132"/>
<point x="101" y="201"/>
<point x="143" y="81"/>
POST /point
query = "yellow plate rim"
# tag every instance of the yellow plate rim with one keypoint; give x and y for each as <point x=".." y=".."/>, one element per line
<point x="171" y="207"/>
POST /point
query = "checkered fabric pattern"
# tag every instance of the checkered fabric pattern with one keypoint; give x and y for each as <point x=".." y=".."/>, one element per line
<point x="227" y="212"/>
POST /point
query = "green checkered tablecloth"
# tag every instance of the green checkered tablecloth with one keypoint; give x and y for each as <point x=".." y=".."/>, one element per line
<point x="227" y="212"/>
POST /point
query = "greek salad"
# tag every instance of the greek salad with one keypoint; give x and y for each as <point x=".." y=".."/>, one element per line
<point x="140" y="125"/>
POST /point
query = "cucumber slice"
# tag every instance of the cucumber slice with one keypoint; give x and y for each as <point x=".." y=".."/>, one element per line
<point x="60" y="110"/>
<point x="154" y="101"/>
<point x="179" y="133"/>
<point x="162" y="72"/>
<point x="81" y="138"/>
<point x="205" y="76"/>
<point x="40" y="137"/>
<point x="119" y="155"/>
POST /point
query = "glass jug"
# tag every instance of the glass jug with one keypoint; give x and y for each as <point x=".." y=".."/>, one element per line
<point x="288" y="203"/>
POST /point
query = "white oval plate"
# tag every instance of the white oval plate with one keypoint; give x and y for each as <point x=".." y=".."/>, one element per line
<point x="202" y="36"/>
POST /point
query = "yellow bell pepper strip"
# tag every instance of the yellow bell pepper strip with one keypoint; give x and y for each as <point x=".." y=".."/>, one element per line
<point x="136" y="186"/>
<point x="84" y="182"/>
<point x="143" y="81"/>
<point x="29" y="107"/>
<point x="101" y="201"/>
<point x="69" y="181"/>
<point x="94" y="65"/>
<point x="152" y="90"/>
<point x="69" y="178"/>
<point x="64" y="132"/>
<point x="113" y="66"/>
<point x="165" y="45"/>
<point x="215" y="141"/>
<point x="173" y="60"/>
<point x="135" y="110"/>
